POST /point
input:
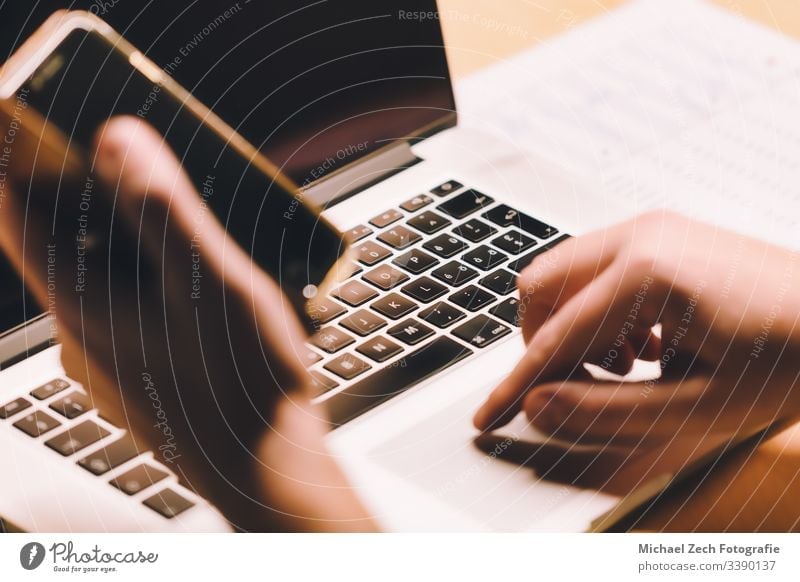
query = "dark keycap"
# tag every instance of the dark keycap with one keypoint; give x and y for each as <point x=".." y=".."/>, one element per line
<point x="445" y="245"/>
<point x="356" y="234"/>
<point x="441" y="314"/>
<point x="36" y="423"/>
<point x="394" y="306"/>
<point x="77" y="438"/>
<point x="474" y="230"/>
<point x="347" y="270"/>
<point x="416" y="203"/>
<point x="410" y="331"/>
<point x="455" y="273"/>
<point x="331" y="339"/>
<point x="110" y="457"/>
<point x="362" y="322"/>
<point x="321" y="383"/>
<point x="379" y="349"/>
<point x="311" y="357"/>
<point x="370" y="252"/>
<point x="355" y="293"/>
<point x="481" y="331"/>
<point x="385" y="277"/>
<point x="501" y="282"/>
<point x="47" y="390"/>
<point x="379" y="387"/>
<point x="347" y="366"/>
<point x="322" y="310"/>
<point x="386" y="218"/>
<point x="507" y="216"/>
<point x="447" y="188"/>
<point x="424" y="289"/>
<point x="416" y="261"/>
<point x="523" y="262"/>
<point x="465" y="203"/>
<point x="168" y="503"/>
<point x="399" y="237"/>
<point x="472" y="298"/>
<point x="73" y="405"/>
<point x="514" y="242"/>
<point x="137" y="479"/>
<point x="429" y="222"/>
<point x="13" y="407"/>
<point x="508" y="311"/>
<point x="484" y="257"/>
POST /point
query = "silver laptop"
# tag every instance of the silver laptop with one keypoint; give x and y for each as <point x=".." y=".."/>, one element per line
<point x="407" y="347"/>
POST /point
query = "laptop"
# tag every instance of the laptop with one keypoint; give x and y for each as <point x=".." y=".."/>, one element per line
<point x="358" y="107"/>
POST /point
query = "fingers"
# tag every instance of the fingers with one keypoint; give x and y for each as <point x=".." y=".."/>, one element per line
<point x="585" y="329"/>
<point x="623" y="414"/>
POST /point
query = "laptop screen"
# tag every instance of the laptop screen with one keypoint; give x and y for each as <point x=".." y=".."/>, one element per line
<point x="315" y="84"/>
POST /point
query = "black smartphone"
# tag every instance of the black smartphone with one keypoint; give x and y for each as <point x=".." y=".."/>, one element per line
<point x="77" y="72"/>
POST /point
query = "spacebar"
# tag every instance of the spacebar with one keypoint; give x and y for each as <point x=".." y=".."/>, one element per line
<point x="395" y="379"/>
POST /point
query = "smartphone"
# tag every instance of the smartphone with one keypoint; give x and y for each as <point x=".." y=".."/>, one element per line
<point x="76" y="72"/>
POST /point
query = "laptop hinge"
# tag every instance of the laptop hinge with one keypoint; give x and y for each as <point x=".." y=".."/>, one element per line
<point x="361" y="175"/>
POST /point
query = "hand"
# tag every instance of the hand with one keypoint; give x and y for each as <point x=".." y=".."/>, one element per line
<point x="177" y="335"/>
<point x="728" y="346"/>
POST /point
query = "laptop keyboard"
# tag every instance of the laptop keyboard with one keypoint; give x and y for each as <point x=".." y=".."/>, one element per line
<point x="61" y="416"/>
<point x="433" y="286"/>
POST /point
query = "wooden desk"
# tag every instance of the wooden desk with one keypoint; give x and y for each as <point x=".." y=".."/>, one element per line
<point x="756" y="488"/>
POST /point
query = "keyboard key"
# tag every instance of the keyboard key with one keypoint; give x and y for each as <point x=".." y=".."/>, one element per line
<point x="137" y="479"/>
<point x="385" y="277"/>
<point x="371" y="252"/>
<point x="347" y="366"/>
<point x="466" y="203"/>
<point x="445" y="245"/>
<point x="416" y="261"/>
<point x="441" y="314"/>
<point x="506" y="216"/>
<point x="501" y="282"/>
<point x="394" y="306"/>
<point x="37" y="423"/>
<point x="331" y="339"/>
<point x="311" y="357"/>
<point x="472" y="298"/>
<point x="321" y="383"/>
<point x="455" y="273"/>
<point x="362" y="322"/>
<point x="424" y="289"/>
<point x="429" y="222"/>
<point x="416" y="203"/>
<point x="484" y="258"/>
<point x="379" y="349"/>
<point x="481" y="331"/>
<point x="168" y="503"/>
<point x="47" y="390"/>
<point x="386" y="218"/>
<point x="73" y="405"/>
<point x="523" y="262"/>
<point x="13" y="407"/>
<point x="355" y="293"/>
<point x="111" y="456"/>
<point x="410" y="331"/>
<point x="447" y="188"/>
<point x="475" y="230"/>
<point x="77" y="438"/>
<point x="322" y="310"/>
<point x="514" y="242"/>
<point x="356" y="234"/>
<point x="376" y="388"/>
<point x="399" y="237"/>
<point x="508" y="311"/>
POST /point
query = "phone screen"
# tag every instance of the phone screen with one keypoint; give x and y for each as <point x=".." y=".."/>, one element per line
<point x="86" y="81"/>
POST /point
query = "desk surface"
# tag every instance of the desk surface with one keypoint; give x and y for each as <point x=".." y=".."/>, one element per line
<point x="756" y="488"/>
